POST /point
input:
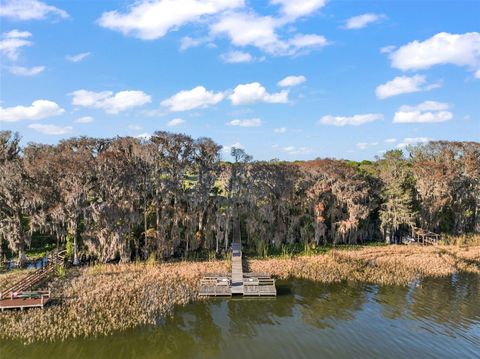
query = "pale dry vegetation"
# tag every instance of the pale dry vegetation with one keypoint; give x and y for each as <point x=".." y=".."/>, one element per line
<point x="379" y="265"/>
<point x="100" y="300"/>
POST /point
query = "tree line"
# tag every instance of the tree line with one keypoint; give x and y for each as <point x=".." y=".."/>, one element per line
<point x="127" y="198"/>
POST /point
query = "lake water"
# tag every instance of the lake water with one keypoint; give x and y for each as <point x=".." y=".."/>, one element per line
<point x="435" y="318"/>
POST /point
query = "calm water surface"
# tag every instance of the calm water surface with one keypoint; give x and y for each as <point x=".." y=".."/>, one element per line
<point x="436" y="318"/>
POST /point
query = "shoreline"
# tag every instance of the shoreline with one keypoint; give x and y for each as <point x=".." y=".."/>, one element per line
<point x="100" y="300"/>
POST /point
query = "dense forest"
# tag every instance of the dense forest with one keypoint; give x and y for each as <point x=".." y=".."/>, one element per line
<point x="129" y="199"/>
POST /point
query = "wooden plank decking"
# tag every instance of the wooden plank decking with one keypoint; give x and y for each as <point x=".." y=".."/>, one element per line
<point x="246" y="284"/>
<point x="21" y="300"/>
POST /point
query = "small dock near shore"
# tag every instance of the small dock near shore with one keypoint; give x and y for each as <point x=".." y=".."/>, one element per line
<point x="22" y="294"/>
<point x="237" y="282"/>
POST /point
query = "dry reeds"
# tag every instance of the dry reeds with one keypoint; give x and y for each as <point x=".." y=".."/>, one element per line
<point x="378" y="265"/>
<point x="102" y="299"/>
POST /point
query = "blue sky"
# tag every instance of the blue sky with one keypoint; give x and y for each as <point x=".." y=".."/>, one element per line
<point x="288" y="79"/>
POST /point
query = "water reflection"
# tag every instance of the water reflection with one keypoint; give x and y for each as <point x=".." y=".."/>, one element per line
<point x="434" y="318"/>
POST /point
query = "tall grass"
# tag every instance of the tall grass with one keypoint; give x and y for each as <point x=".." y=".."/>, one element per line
<point x="102" y="299"/>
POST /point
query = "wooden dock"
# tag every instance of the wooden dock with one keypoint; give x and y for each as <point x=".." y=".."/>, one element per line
<point x="22" y="295"/>
<point x="22" y="300"/>
<point x="237" y="283"/>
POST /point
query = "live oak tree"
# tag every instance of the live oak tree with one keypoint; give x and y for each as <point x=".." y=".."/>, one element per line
<point x="170" y="195"/>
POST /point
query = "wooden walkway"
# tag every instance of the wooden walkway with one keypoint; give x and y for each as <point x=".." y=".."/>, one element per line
<point x="237" y="283"/>
<point x="20" y="295"/>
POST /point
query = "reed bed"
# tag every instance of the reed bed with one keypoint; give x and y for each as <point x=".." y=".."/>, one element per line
<point x="392" y="265"/>
<point x="103" y="299"/>
<point x="100" y="300"/>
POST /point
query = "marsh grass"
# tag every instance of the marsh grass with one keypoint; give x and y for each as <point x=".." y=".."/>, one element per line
<point x="378" y="265"/>
<point x="102" y="299"/>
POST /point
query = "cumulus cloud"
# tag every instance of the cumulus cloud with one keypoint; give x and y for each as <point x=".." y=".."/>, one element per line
<point x="30" y="10"/>
<point x="404" y="84"/>
<point x="26" y="71"/>
<point x="236" y="57"/>
<point x="153" y="19"/>
<point x="38" y="110"/>
<point x="413" y="141"/>
<point x="442" y="48"/>
<point x="175" y="122"/>
<point x="252" y="122"/>
<point x="77" y="57"/>
<point x="108" y="101"/>
<point x="85" y="119"/>
<point x="255" y="92"/>
<point x="149" y="20"/>
<point x="390" y="140"/>
<point x="12" y="42"/>
<point x="354" y="120"/>
<point x="187" y="42"/>
<point x="293" y="9"/>
<point x="387" y="49"/>
<point x="250" y="29"/>
<point x="280" y="130"/>
<point x="198" y="97"/>
<point x="361" y="21"/>
<point x="426" y="112"/>
<point x="51" y="129"/>
<point x="290" y="81"/>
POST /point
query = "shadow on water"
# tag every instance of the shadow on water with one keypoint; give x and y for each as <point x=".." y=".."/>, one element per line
<point x="434" y="318"/>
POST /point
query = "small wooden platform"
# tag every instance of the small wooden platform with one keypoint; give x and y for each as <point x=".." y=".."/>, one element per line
<point x="237" y="283"/>
<point x="21" y="300"/>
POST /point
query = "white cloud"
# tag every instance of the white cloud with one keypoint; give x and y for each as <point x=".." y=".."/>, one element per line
<point x="255" y="92"/>
<point x="175" y="122"/>
<point x="442" y="48"/>
<point x="85" y="119"/>
<point x="228" y="149"/>
<point x="291" y="81"/>
<point x="38" y="110"/>
<point x="12" y="42"/>
<point x="245" y="29"/>
<point x="29" y="10"/>
<point x="293" y="9"/>
<point x="197" y="97"/>
<point x="109" y="102"/>
<point x="354" y="120"/>
<point x="51" y="129"/>
<point x="387" y="49"/>
<point x="250" y="29"/>
<point x="361" y="21"/>
<point x="390" y="140"/>
<point x="280" y="130"/>
<point x="252" y="122"/>
<point x="26" y="71"/>
<point x="149" y="20"/>
<point x="236" y="57"/>
<point x="292" y="150"/>
<point x="426" y="112"/>
<point x="188" y="42"/>
<point x="404" y="84"/>
<point x="77" y="57"/>
<point x="477" y="74"/>
<point x="413" y="141"/>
